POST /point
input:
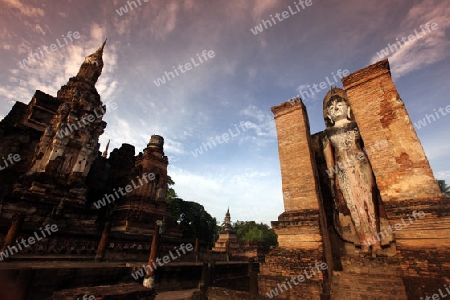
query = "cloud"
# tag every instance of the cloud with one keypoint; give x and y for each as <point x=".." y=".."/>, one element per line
<point x="431" y="47"/>
<point x="97" y="32"/>
<point x="171" y="146"/>
<point x="54" y="69"/>
<point x="443" y="175"/>
<point x="26" y="10"/>
<point x="261" y="7"/>
<point x="263" y="125"/>
<point x="237" y="188"/>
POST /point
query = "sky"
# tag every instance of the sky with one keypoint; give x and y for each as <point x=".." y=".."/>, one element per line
<point x="235" y="66"/>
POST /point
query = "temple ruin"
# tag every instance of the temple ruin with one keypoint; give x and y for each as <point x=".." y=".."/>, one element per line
<point x="364" y="217"/>
<point x="227" y="241"/>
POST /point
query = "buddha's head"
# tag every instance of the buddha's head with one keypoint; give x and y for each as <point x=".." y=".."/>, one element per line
<point x="336" y="107"/>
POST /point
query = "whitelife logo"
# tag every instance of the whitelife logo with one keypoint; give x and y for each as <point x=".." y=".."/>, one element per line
<point x="31" y="240"/>
<point x="438" y="296"/>
<point x="128" y="189"/>
<point x="124" y="9"/>
<point x="430" y="118"/>
<point x="411" y="38"/>
<point x="166" y="259"/>
<point x="284" y="15"/>
<point x="12" y="158"/>
<point x="187" y="66"/>
<point x="90" y="118"/>
<point x="225" y="138"/>
<point x="398" y="226"/>
<point x="35" y="55"/>
<point x="320" y="266"/>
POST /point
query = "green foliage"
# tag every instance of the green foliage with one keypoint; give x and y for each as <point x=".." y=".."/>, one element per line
<point x="445" y="189"/>
<point x="170" y="191"/>
<point x="194" y="220"/>
<point x="250" y="231"/>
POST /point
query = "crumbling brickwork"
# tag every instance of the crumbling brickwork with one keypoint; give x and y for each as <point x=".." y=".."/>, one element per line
<point x="401" y="169"/>
<point x="300" y="189"/>
<point x="301" y="242"/>
<point x="61" y="175"/>
<point x="415" y="262"/>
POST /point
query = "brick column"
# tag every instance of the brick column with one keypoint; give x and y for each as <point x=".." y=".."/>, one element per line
<point x="300" y="242"/>
<point x="404" y="178"/>
<point x="149" y="279"/>
<point x="14" y="230"/>
<point x="401" y="169"/>
<point x="102" y="245"/>
<point x="299" y="179"/>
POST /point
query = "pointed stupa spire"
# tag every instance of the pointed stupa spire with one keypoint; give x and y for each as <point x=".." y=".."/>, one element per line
<point x="227" y="220"/>
<point x="105" y="153"/>
<point x="103" y="45"/>
<point x="92" y="66"/>
<point x="100" y="50"/>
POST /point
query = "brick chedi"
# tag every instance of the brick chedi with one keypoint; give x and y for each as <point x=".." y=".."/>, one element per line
<point x="228" y="240"/>
<point x="54" y="183"/>
<point x="62" y="178"/>
<point x="400" y="215"/>
<point x="146" y="202"/>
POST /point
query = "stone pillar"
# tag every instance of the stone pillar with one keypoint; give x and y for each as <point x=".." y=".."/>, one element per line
<point x="196" y="245"/>
<point x="149" y="280"/>
<point x="301" y="243"/>
<point x="102" y="245"/>
<point x="298" y="171"/>
<point x="401" y="168"/>
<point x="405" y="180"/>
<point x="253" y="277"/>
<point x="196" y="249"/>
<point x="299" y="177"/>
<point x="206" y="276"/>
<point x="14" y="230"/>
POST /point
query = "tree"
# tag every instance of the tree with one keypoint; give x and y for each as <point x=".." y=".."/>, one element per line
<point x="250" y="231"/>
<point x="170" y="191"/>
<point x="445" y="189"/>
<point x="194" y="220"/>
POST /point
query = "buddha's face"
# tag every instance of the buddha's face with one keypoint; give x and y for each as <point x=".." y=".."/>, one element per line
<point x="338" y="109"/>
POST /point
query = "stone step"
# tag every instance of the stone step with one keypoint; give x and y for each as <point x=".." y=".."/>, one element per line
<point x="107" y="292"/>
<point x="176" y="295"/>
<point x="34" y="258"/>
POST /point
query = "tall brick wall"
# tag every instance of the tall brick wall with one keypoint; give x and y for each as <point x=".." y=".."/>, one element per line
<point x="402" y="170"/>
<point x="301" y="243"/>
<point x="299" y="179"/>
<point x="418" y="262"/>
<point x="299" y="226"/>
<point x="404" y="178"/>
